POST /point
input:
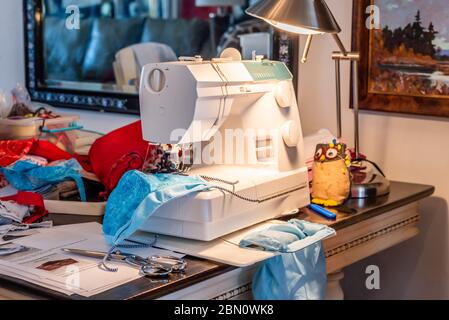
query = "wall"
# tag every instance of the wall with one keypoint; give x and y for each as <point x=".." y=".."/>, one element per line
<point x="12" y="67"/>
<point x="11" y="38"/>
<point x="409" y="149"/>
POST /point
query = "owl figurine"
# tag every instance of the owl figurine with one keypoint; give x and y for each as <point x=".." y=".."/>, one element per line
<point x="331" y="184"/>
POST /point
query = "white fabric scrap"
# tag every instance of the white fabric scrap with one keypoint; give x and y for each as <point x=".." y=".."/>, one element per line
<point x="14" y="211"/>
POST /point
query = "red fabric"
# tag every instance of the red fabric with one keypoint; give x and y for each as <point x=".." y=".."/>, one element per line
<point x="13" y="150"/>
<point x="30" y="199"/>
<point x="116" y="153"/>
<point x="49" y="151"/>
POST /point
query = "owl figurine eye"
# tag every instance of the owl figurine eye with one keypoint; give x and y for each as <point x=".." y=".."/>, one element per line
<point x="318" y="154"/>
<point x="331" y="153"/>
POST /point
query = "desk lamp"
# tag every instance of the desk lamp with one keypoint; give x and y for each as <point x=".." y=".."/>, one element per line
<point x="312" y="18"/>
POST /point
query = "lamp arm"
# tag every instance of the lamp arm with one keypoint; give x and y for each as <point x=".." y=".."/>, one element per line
<point x="340" y="44"/>
<point x="307" y="48"/>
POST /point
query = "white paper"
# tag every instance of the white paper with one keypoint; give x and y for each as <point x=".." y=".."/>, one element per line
<point x="45" y="264"/>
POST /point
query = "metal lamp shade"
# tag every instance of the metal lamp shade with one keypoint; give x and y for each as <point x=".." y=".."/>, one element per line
<point x="297" y="16"/>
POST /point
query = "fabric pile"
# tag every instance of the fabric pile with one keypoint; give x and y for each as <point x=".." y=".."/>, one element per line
<point x="20" y="212"/>
<point x="41" y="167"/>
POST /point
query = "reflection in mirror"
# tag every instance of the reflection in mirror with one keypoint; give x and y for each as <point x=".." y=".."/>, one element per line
<point x="101" y="45"/>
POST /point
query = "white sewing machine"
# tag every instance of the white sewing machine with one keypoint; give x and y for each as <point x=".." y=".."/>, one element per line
<point x="243" y="121"/>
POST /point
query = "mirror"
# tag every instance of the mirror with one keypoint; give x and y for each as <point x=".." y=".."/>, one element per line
<point x="89" y="53"/>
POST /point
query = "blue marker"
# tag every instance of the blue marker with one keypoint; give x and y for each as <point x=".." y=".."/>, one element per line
<point x="323" y="212"/>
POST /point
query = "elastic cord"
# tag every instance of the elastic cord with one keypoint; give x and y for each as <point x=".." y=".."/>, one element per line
<point x="103" y="264"/>
<point x="79" y="182"/>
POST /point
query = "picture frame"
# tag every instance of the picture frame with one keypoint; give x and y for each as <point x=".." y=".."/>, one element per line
<point x="393" y="77"/>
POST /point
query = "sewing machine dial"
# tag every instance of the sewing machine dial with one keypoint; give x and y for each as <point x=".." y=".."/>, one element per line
<point x="283" y="94"/>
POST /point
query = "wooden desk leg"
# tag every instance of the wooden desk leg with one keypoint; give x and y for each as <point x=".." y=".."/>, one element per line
<point x="334" y="290"/>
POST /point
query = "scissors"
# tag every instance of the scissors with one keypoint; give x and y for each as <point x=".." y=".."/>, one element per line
<point x="153" y="266"/>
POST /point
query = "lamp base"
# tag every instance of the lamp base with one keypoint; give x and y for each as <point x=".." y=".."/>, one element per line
<point x="368" y="183"/>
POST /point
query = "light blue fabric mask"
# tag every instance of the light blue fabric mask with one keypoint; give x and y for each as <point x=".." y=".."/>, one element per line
<point x="28" y="176"/>
<point x="138" y="196"/>
<point x="283" y="237"/>
<point x="298" y="273"/>
<point x="293" y="276"/>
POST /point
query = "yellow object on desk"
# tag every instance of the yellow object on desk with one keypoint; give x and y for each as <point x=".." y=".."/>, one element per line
<point x="331" y="183"/>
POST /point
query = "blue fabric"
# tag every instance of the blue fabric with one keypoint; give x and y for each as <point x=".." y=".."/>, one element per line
<point x="138" y="196"/>
<point x="295" y="274"/>
<point x="283" y="237"/>
<point x="28" y="176"/>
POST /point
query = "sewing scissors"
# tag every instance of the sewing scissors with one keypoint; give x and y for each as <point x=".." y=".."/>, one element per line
<point x="153" y="266"/>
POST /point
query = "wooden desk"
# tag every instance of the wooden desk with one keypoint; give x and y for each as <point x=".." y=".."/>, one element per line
<point x="372" y="227"/>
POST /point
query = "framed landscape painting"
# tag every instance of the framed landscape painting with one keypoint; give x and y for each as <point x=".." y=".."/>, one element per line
<point x="404" y="52"/>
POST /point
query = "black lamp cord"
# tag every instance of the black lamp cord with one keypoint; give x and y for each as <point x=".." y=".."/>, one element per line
<point x="371" y="162"/>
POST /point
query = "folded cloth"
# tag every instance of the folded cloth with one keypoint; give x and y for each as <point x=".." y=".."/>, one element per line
<point x="12" y="212"/>
<point x="138" y="196"/>
<point x="28" y="176"/>
<point x="125" y="149"/>
<point x="298" y="273"/>
<point x="29" y="199"/>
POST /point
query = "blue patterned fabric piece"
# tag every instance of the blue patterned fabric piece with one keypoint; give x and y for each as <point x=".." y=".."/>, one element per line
<point x="138" y="196"/>
<point x="298" y="273"/>
<point x="28" y="176"/>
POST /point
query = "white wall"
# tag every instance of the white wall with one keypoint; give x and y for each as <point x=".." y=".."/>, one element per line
<point x="410" y="149"/>
<point x="11" y="38"/>
<point x="12" y="67"/>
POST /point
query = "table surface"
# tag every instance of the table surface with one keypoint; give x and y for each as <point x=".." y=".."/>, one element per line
<point x="199" y="270"/>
